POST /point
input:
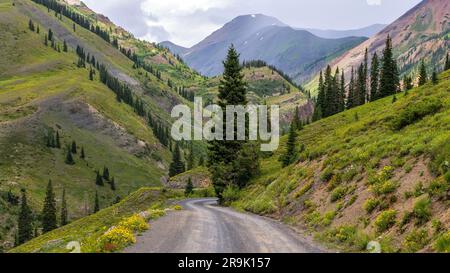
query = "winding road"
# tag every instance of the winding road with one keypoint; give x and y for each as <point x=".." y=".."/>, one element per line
<point x="204" y="227"/>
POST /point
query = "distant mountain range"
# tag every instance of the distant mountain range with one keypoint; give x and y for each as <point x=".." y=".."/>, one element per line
<point x="368" y="32"/>
<point x="298" y="53"/>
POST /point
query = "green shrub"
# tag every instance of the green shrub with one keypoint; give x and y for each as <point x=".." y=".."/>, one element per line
<point x="447" y="177"/>
<point x="422" y="210"/>
<point x="348" y="235"/>
<point x="230" y="194"/>
<point x="406" y="219"/>
<point x="371" y="204"/>
<point x="338" y="193"/>
<point x="327" y="174"/>
<point x="385" y="187"/>
<point x="385" y="220"/>
<point x="416" y="240"/>
<point x="442" y="244"/>
<point x="415" y="112"/>
<point x="438" y="187"/>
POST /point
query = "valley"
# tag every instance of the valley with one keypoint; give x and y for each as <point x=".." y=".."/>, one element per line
<point x="87" y="156"/>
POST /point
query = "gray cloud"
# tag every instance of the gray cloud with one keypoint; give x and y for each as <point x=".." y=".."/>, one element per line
<point x="186" y="22"/>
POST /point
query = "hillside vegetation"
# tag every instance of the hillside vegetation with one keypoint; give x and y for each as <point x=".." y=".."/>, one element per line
<point x="148" y="203"/>
<point x="377" y="172"/>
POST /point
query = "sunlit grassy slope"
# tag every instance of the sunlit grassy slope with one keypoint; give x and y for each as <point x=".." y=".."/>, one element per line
<point x="43" y="91"/>
<point x="87" y="231"/>
<point x="377" y="172"/>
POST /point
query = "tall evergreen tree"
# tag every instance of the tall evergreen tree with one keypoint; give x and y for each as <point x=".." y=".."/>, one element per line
<point x="99" y="179"/>
<point x="360" y="91"/>
<point x="290" y="154"/>
<point x="434" y="77"/>
<point x="447" y="63"/>
<point x="69" y="158"/>
<point x="73" y="148"/>
<point x="388" y="73"/>
<point x="45" y="40"/>
<point x="223" y="153"/>
<point x="374" y="77"/>
<point x="318" y="109"/>
<point x="38" y="30"/>
<point x="366" y="75"/>
<point x="113" y="184"/>
<point x="423" y="77"/>
<point x="65" y="49"/>
<point x="341" y="94"/>
<point x="64" y="214"/>
<point x="49" y="210"/>
<point x="57" y="141"/>
<point x="96" y="203"/>
<point x="82" y="155"/>
<point x="50" y="35"/>
<point x="351" y="91"/>
<point x="106" y="173"/>
<point x="177" y="165"/>
<point x="407" y="83"/>
<point x="31" y="25"/>
<point x="189" y="189"/>
<point x="25" y="228"/>
<point x="191" y="158"/>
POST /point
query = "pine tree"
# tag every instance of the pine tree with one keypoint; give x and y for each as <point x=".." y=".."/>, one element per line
<point x="191" y="158"/>
<point x="38" y="30"/>
<point x="99" y="179"/>
<point x="407" y="83"/>
<point x="45" y="40"/>
<point x="83" y="155"/>
<point x="360" y="91"/>
<point x="96" y="203"/>
<point x="374" y="77"/>
<point x="91" y="74"/>
<point x="25" y="229"/>
<point x="189" y="188"/>
<point x="434" y="77"/>
<point x="388" y="73"/>
<point x="290" y="154"/>
<point x="318" y="112"/>
<point x="69" y="158"/>
<point x="57" y="141"/>
<point x="423" y="77"/>
<point x="49" y="210"/>
<point x="31" y="25"/>
<point x="106" y="173"/>
<point x="177" y="165"/>
<point x="64" y="215"/>
<point x="222" y="153"/>
<point x="447" y="63"/>
<point x="73" y="148"/>
<point x="50" y="35"/>
<point x="351" y="91"/>
<point x="73" y="27"/>
<point x="297" y="119"/>
<point x="113" y="184"/>
<point x="65" y="49"/>
<point x="341" y="94"/>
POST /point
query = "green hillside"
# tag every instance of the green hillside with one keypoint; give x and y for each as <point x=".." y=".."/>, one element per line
<point x="42" y="91"/>
<point x="87" y="231"/>
<point x="377" y="172"/>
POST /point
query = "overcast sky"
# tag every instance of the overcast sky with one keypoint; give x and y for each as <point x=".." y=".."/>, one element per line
<point x="186" y="22"/>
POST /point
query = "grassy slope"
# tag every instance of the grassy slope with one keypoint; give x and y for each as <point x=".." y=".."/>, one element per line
<point x="349" y="150"/>
<point x="87" y="230"/>
<point x="42" y="89"/>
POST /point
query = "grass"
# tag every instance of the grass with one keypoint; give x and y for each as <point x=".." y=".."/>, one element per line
<point x="347" y="157"/>
<point x="88" y="231"/>
<point x="42" y="90"/>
